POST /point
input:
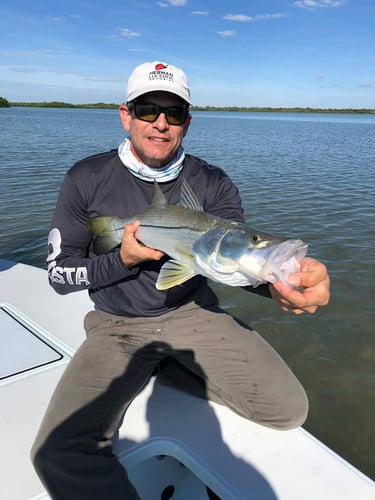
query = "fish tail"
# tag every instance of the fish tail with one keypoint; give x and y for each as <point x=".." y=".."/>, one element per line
<point x="105" y="239"/>
<point x="99" y="225"/>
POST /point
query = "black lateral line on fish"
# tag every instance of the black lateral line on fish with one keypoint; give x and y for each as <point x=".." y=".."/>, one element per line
<point x="168" y="227"/>
<point x="154" y="226"/>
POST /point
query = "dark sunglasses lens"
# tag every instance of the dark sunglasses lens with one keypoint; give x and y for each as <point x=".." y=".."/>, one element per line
<point x="146" y="112"/>
<point x="150" y="112"/>
<point x="176" y="116"/>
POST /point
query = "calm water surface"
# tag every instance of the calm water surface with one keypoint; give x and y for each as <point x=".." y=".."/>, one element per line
<point x="306" y="175"/>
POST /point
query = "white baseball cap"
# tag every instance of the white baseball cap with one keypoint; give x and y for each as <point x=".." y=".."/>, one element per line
<point x="152" y="76"/>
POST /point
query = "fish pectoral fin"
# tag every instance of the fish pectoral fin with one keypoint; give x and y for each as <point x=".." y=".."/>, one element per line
<point x="173" y="273"/>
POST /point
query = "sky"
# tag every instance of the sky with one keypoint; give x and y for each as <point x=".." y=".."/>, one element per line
<point x="277" y="53"/>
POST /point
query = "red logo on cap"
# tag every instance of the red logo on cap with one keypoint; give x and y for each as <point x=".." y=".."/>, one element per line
<point x="160" y="66"/>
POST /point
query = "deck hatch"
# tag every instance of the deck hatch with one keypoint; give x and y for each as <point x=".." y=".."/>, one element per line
<point x="22" y="347"/>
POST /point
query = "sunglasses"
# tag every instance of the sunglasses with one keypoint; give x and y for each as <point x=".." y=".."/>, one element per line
<point x="147" y="112"/>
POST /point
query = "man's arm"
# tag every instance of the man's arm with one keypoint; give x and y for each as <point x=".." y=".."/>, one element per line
<point x="71" y="266"/>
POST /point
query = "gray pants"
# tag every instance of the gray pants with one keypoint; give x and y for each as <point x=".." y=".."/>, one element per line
<point x="204" y="349"/>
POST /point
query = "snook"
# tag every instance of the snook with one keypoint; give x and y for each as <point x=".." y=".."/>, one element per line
<point x="198" y="243"/>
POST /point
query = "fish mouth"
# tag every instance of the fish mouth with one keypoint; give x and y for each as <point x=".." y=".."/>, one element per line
<point x="284" y="260"/>
<point x="275" y="261"/>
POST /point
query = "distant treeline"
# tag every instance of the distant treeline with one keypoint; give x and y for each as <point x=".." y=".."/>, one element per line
<point x="59" y="104"/>
<point x="283" y="110"/>
<point x="4" y="103"/>
<point x="102" y="105"/>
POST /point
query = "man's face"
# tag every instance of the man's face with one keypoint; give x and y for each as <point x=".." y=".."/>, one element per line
<point x="156" y="143"/>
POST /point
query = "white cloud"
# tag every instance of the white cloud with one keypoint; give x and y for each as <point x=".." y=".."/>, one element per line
<point x="243" y="18"/>
<point x="262" y="17"/>
<point x="318" y="4"/>
<point x="64" y="18"/>
<point x="172" y="3"/>
<point x="200" y="13"/>
<point x="126" y="33"/>
<point x="226" y="33"/>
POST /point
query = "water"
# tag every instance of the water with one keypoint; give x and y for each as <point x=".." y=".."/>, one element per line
<point x="305" y="175"/>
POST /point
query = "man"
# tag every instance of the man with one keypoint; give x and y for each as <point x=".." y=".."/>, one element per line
<point x="73" y="450"/>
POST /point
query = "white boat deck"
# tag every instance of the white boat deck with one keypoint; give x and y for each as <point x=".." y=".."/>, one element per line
<point x="171" y="438"/>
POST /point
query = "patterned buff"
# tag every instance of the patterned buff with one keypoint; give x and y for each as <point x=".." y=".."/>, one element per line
<point x="167" y="173"/>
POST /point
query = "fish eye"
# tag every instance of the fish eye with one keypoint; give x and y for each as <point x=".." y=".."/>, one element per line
<point x="256" y="238"/>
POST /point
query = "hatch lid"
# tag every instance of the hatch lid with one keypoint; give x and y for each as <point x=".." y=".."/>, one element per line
<point x="22" y="346"/>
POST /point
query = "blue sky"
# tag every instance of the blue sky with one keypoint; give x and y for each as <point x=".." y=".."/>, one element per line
<point x="317" y="53"/>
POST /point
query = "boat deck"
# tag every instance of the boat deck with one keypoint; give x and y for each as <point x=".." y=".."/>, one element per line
<point x="185" y="447"/>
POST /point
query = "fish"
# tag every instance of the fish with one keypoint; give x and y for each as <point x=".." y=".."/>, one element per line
<point x="199" y="243"/>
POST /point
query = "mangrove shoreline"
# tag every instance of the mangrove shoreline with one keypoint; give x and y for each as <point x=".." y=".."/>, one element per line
<point x="102" y="105"/>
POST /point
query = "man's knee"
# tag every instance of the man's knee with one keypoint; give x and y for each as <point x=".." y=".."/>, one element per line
<point x="294" y="413"/>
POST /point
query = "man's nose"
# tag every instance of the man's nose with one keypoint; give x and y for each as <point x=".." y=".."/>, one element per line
<point x="161" y="122"/>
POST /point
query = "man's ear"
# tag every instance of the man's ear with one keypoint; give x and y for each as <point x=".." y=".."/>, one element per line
<point x="187" y="123"/>
<point x="125" y="116"/>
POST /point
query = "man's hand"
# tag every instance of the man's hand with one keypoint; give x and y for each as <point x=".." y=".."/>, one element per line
<point x="314" y="282"/>
<point x="132" y="251"/>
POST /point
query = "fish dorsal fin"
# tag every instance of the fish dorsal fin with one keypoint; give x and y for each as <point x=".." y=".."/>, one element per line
<point x="188" y="198"/>
<point x="159" y="198"/>
<point x="173" y="273"/>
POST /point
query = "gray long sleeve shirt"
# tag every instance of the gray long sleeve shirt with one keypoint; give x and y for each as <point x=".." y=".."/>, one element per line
<point x="101" y="185"/>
